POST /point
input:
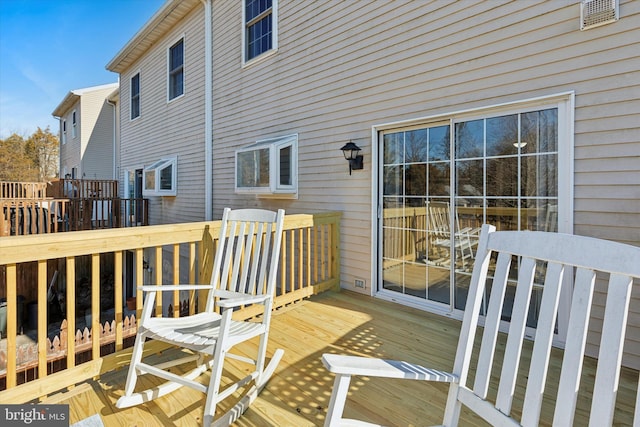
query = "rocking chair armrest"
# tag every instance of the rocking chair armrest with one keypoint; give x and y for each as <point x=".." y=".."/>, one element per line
<point x="235" y="300"/>
<point x="167" y="288"/>
<point x="370" y="367"/>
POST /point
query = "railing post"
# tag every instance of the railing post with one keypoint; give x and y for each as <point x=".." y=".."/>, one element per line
<point x="335" y="259"/>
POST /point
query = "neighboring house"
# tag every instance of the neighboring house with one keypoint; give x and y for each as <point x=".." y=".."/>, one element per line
<point x="88" y="132"/>
<point x="505" y="112"/>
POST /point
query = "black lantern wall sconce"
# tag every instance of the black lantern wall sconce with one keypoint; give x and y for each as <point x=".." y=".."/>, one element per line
<point x="350" y="151"/>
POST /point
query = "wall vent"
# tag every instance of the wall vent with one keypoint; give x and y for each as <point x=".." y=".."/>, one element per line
<point x="594" y="13"/>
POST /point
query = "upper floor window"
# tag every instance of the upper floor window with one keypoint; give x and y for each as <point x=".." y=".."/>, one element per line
<point x="260" y="27"/>
<point x="74" y="124"/>
<point x="64" y="131"/>
<point x="176" y="69"/>
<point x="269" y="166"/>
<point x="135" y="96"/>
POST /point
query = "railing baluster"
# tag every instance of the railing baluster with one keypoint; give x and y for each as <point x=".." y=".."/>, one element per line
<point x="96" y="323"/>
<point x="177" y="304"/>
<point x="117" y="297"/>
<point x="12" y="330"/>
<point x="71" y="312"/>
<point x="42" y="320"/>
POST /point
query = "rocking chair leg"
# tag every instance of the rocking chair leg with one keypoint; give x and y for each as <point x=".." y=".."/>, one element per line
<point x="136" y="357"/>
<point x="338" y="398"/>
<point x="214" y="388"/>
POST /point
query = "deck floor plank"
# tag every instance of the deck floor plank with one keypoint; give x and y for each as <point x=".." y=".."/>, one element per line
<point x="298" y="393"/>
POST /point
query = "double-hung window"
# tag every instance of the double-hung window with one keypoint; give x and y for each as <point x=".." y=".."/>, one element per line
<point x="64" y="131"/>
<point x="176" y="70"/>
<point x="135" y="96"/>
<point x="268" y="167"/>
<point x="74" y="124"/>
<point x="260" y="27"/>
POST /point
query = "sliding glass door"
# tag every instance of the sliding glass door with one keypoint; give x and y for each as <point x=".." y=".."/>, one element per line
<point x="440" y="181"/>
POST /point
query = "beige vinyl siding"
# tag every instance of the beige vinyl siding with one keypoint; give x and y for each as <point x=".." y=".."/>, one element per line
<point x="167" y="129"/>
<point x="342" y="67"/>
<point x="96" y="131"/>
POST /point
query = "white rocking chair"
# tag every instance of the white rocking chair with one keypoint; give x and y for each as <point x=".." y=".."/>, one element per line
<point x="565" y="261"/>
<point x="244" y="273"/>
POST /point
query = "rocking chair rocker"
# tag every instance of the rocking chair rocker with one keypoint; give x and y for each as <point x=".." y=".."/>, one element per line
<point x="244" y="273"/>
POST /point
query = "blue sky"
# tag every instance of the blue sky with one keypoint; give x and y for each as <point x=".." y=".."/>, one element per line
<point x="50" y="47"/>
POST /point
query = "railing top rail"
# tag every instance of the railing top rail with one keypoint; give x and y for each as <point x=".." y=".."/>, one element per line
<point x="17" y="249"/>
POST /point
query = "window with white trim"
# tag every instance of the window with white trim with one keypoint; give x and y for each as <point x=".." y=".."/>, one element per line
<point x="260" y="27"/>
<point x="176" y="70"/>
<point x="64" y="131"/>
<point x="74" y="124"/>
<point x="160" y="178"/>
<point x="269" y="166"/>
<point x="135" y="96"/>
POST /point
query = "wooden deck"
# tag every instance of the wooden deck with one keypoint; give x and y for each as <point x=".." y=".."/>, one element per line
<point x="298" y="393"/>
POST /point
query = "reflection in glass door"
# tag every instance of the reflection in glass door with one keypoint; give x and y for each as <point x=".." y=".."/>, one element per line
<point x="416" y="168"/>
<point x="503" y="170"/>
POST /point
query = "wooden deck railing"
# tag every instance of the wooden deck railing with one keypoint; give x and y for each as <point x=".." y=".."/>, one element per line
<point x="38" y="216"/>
<point x="22" y="190"/>
<point x="71" y="188"/>
<point x="86" y="277"/>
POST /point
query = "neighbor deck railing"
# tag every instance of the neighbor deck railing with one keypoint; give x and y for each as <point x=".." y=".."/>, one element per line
<point x="38" y="216"/>
<point x="22" y="190"/>
<point x="101" y="267"/>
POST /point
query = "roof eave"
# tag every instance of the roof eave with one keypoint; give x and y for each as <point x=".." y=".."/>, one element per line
<point x="155" y="28"/>
<point x="66" y="104"/>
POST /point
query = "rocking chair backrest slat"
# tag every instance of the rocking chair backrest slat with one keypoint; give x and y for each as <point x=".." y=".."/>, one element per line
<point x="259" y="282"/>
<point x="610" y="355"/>
<point x="515" y="337"/>
<point x="247" y="249"/>
<point x="530" y="263"/>
<point x="574" y="347"/>
<point x="246" y="235"/>
<point x="238" y="254"/>
<point x="491" y="326"/>
<point x="258" y="248"/>
<point x="542" y="346"/>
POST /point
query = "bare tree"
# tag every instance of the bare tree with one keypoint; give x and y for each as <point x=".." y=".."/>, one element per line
<point x="31" y="159"/>
<point x="43" y="149"/>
